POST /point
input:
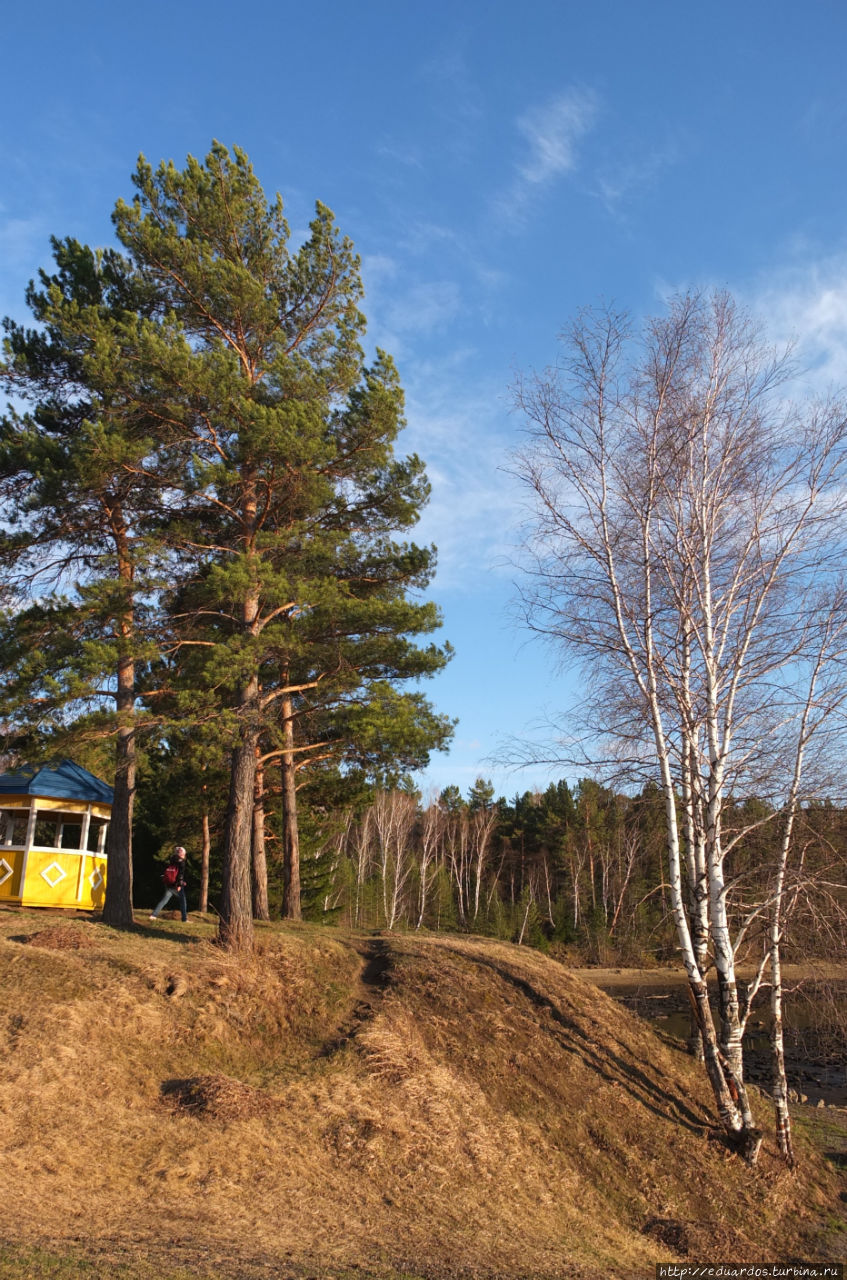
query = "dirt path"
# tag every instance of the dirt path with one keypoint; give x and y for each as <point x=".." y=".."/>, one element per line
<point x="374" y="977"/>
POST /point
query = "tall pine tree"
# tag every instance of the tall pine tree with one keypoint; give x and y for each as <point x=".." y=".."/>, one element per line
<point x="290" y="584"/>
<point x="77" y="485"/>
<point x="209" y="493"/>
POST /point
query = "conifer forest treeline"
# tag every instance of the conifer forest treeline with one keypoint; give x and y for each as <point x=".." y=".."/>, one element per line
<point x="578" y="871"/>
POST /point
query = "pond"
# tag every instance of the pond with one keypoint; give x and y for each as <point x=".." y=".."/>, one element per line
<point x="815" y="1020"/>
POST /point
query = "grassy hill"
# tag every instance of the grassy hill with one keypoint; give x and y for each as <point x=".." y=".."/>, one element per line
<point x="392" y="1106"/>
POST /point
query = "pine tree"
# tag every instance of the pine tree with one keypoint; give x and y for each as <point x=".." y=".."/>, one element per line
<point x="203" y="412"/>
<point x="75" y="483"/>
<point x="290" y="585"/>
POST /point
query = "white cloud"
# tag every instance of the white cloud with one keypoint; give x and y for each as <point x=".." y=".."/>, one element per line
<point x="805" y="305"/>
<point x="464" y="441"/>
<point x="553" y="131"/>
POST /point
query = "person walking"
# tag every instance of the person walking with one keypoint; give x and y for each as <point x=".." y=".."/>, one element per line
<point x="175" y="884"/>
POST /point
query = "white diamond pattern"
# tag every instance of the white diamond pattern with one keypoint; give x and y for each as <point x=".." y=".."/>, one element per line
<point x="54" y="874"/>
<point x="96" y="879"/>
<point x="6" y="869"/>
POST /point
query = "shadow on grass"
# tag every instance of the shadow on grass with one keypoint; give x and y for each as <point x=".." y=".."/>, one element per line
<point x="173" y="934"/>
<point x="171" y="927"/>
<point x="620" y="1068"/>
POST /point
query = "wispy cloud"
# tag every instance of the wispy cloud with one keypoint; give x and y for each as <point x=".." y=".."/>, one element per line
<point x="424" y="308"/>
<point x="24" y="243"/>
<point x="457" y="422"/>
<point x="552" y="132"/>
<point x="457" y="100"/>
<point x="800" y="302"/>
<point x="619" y="181"/>
<point x="805" y="304"/>
<point x="378" y="269"/>
<point x="408" y="156"/>
<point x="463" y="436"/>
<point x="404" y="310"/>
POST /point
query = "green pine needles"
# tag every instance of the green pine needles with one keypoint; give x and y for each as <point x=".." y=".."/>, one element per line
<point x="207" y="487"/>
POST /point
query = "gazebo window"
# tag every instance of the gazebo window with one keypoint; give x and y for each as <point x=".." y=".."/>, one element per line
<point x="95" y="827"/>
<point x="71" y="834"/>
<point x="53" y="823"/>
<point x="46" y="832"/>
<point x="13" y="826"/>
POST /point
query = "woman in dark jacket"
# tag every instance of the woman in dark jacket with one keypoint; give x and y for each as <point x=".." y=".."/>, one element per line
<point x="175" y="884"/>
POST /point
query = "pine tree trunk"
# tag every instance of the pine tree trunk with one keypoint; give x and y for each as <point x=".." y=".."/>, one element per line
<point x="261" y="910"/>
<point x="235" y="929"/>
<point x="117" y="909"/>
<point x="291" y="909"/>
<point x="575" y="871"/>
<point x="205" y="851"/>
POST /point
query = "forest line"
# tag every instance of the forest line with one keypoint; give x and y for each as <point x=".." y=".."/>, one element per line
<point x="577" y="870"/>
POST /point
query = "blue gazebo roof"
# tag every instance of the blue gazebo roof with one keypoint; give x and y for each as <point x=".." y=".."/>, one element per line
<point x="61" y="780"/>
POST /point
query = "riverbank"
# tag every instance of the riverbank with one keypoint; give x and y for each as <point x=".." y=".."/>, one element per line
<point x="815" y="1021"/>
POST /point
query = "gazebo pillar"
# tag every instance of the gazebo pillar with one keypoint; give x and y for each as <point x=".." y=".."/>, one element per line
<point x="28" y="840"/>
<point x="83" y="849"/>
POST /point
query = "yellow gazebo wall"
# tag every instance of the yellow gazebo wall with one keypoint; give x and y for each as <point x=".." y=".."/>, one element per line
<point x="45" y="876"/>
<point x="11" y="864"/>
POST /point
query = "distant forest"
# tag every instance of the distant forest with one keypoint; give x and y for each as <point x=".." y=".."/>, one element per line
<point x="580" y="871"/>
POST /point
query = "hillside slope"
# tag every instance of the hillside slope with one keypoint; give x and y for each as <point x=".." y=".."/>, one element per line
<point x="344" y="1105"/>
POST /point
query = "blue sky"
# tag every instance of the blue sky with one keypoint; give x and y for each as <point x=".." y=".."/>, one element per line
<point x="497" y="167"/>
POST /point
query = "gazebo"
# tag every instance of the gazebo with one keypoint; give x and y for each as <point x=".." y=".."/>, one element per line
<point x="53" y="826"/>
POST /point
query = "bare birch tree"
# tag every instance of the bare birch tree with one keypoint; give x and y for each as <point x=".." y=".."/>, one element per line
<point x="685" y="520"/>
<point x="455" y="833"/>
<point x="430" y="839"/>
<point x="363" y="856"/>
<point x="394" y="816"/>
<point x="481" y="824"/>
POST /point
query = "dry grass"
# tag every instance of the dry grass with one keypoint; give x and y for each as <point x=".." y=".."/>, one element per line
<point x="338" y="1106"/>
<point x="218" y="1097"/>
<point x="62" y="937"/>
